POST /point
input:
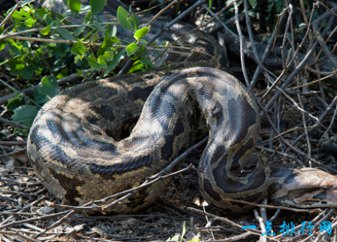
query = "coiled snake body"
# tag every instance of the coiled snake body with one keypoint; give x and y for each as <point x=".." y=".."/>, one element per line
<point x="77" y="148"/>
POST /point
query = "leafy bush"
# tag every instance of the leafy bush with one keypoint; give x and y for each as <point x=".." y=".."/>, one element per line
<point x="41" y="46"/>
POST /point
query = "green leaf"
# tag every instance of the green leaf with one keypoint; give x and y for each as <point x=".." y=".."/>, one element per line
<point x="147" y="63"/>
<point x="27" y="72"/>
<point x="29" y="22"/>
<point x="44" y="15"/>
<point x="74" y="5"/>
<point x="134" y="21"/>
<point x="97" y="6"/>
<point x="25" y="114"/>
<point x="101" y="61"/>
<point x="45" y="30"/>
<point x="107" y="41"/>
<point x="49" y="86"/>
<point x="137" y="66"/>
<point x="93" y="62"/>
<point x="2" y="45"/>
<point x="114" y="62"/>
<point x="19" y="67"/>
<point x="40" y="98"/>
<point x="15" y="47"/>
<point x="28" y="8"/>
<point x="253" y="3"/>
<point x="140" y="33"/>
<point x="122" y="17"/>
<point x="25" y="16"/>
<point x="15" y="102"/>
<point x="20" y="15"/>
<point x="65" y="34"/>
<point x="131" y="48"/>
<point x="79" y="49"/>
<point x="107" y="55"/>
<point x="127" y="20"/>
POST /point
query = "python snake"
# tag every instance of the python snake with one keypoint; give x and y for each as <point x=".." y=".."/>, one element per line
<point x="78" y="148"/>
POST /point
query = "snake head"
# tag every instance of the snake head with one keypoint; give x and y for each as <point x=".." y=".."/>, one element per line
<point x="308" y="188"/>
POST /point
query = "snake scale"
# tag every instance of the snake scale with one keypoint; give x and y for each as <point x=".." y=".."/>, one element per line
<point x="79" y="150"/>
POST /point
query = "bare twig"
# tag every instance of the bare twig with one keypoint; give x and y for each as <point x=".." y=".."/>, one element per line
<point x="242" y="56"/>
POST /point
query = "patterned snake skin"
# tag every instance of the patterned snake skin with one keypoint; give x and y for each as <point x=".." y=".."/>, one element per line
<point x="79" y="149"/>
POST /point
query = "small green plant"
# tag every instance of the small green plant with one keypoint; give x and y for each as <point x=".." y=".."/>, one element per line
<point x="24" y="113"/>
<point x="40" y="46"/>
